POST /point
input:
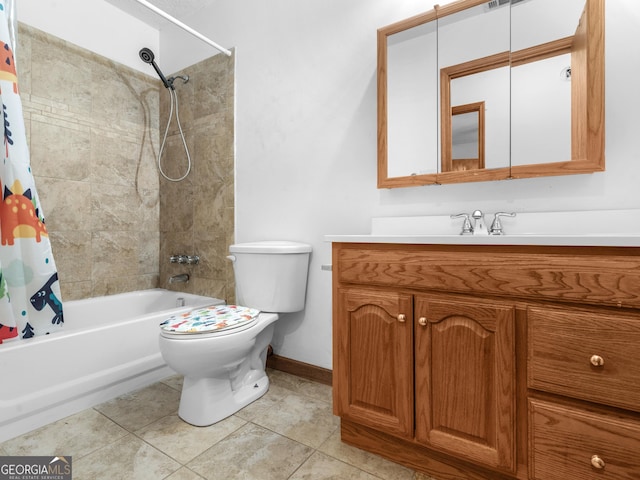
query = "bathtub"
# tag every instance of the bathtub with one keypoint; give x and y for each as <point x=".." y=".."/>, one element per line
<point x="108" y="347"/>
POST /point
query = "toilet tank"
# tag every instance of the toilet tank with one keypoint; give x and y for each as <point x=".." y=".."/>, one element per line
<point x="271" y="275"/>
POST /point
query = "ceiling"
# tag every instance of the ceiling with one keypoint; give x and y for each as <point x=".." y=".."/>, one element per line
<point x="179" y="9"/>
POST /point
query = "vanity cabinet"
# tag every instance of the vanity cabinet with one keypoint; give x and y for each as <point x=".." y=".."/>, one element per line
<point x="457" y="356"/>
<point x="465" y="378"/>
<point x="490" y="362"/>
<point x="375" y="341"/>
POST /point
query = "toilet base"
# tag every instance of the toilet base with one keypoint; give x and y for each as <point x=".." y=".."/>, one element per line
<point x="206" y="401"/>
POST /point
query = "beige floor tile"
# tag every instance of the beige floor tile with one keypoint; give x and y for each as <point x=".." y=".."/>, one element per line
<point x="265" y="404"/>
<point x="300" y="385"/>
<point x="77" y="436"/>
<point x="423" y="476"/>
<point x="289" y="433"/>
<point x="174" y="382"/>
<point x="323" y="467"/>
<point x="184" y="474"/>
<point x="251" y="453"/>
<point x="364" y="460"/>
<point x="184" y="442"/>
<point x="140" y="408"/>
<point x="301" y="418"/>
<point x="127" y="459"/>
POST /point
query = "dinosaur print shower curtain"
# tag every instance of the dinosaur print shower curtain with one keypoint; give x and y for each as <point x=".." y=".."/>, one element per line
<point x="29" y="288"/>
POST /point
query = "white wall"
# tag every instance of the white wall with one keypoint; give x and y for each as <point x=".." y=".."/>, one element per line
<point x="95" y="25"/>
<point x="306" y="134"/>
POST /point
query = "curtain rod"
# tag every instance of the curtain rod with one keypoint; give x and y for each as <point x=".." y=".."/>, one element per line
<point x="186" y="28"/>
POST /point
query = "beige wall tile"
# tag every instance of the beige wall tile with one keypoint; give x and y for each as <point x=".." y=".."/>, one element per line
<point x="94" y="129"/>
<point x="60" y="149"/>
<point x="65" y="203"/>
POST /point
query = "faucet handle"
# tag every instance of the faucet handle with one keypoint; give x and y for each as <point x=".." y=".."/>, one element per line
<point x="496" y="226"/>
<point x="467" y="229"/>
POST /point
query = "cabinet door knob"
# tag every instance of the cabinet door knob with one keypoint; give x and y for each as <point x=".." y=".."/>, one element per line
<point x="596" y="360"/>
<point x="423" y="321"/>
<point x="402" y="317"/>
<point x="597" y="462"/>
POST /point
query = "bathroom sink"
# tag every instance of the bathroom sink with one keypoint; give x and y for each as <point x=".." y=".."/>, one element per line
<point x="588" y="228"/>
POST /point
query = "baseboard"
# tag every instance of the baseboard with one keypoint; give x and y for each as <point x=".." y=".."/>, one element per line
<point x="300" y="369"/>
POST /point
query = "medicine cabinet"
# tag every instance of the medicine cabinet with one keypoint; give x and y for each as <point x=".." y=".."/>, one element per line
<point x="491" y="90"/>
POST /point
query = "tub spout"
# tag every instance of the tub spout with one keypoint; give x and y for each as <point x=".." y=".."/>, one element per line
<point x="182" y="278"/>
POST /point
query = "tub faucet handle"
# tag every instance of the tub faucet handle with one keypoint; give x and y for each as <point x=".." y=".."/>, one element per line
<point x="467" y="229"/>
<point x="496" y="226"/>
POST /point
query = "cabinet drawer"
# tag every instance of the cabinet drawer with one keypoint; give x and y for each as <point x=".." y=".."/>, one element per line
<point x="571" y="444"/>
<point x="567" y="274"/>
<point x="585" y="354"/>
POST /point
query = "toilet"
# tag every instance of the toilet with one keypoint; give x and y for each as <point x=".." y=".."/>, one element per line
<point x="221" y="350"/>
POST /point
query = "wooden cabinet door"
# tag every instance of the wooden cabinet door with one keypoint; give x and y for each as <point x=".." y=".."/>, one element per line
<point x="465" y="379"/>
<point x="373" y="359"/>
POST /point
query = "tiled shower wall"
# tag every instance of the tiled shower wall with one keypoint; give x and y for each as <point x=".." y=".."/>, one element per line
<point x="93" y="132"/>
<point x="197" y="213"/>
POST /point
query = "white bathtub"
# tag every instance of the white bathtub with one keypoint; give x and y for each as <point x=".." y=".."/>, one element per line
<point x="109" y="346"/>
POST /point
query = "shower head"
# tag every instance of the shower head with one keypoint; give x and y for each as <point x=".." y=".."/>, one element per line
<point x="147" y="56"/>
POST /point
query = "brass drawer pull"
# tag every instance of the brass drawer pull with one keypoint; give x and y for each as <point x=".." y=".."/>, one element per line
<point x="422" y="321"/>
<point x="596" y="360"/>
<point x="402" y="317"/>
<point x="597" y="462"/>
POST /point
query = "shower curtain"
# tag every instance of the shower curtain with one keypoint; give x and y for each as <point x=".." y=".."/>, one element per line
<point x="30" y="301"/>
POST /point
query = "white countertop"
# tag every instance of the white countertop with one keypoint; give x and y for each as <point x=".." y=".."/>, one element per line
<point x="558" y="240"/>
<point x="604" y="228"/>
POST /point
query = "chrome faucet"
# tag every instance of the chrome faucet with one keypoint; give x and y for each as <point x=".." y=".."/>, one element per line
<point x="479" y="227"/>
<point x="182" y="259"/>
<point x="182" y="278"/>
<point x="467" y="229"/>
<point x="496" y="226"/>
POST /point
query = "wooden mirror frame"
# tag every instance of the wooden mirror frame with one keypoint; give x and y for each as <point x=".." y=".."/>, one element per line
<point x="587" y="110"/>
<point x="451" y="164"/>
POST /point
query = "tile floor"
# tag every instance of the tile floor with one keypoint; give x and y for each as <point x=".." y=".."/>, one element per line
<point x="290" y="433"/>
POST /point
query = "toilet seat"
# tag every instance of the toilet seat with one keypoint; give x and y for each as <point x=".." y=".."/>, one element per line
<point x="213" y="320"/>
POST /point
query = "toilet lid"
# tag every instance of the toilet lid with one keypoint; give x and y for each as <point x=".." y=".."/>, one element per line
<point x="214" y="318"/>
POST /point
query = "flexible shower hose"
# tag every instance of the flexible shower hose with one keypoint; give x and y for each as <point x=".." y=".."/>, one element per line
<point x="173" y="95"/>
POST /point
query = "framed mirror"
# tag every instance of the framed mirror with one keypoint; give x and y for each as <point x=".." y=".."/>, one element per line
<point x="538" y="71"/>
<point x="408" y="114"/>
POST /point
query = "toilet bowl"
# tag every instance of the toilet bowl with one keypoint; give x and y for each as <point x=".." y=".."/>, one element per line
<point x="221" y="350"/>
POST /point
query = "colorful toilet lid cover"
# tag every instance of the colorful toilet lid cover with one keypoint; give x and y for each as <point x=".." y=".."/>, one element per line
<point x="214" y="318"/>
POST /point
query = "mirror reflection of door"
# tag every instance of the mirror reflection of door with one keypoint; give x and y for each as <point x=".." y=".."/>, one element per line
<point x="467" y="138"/>
<point x="485" y="81"/>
